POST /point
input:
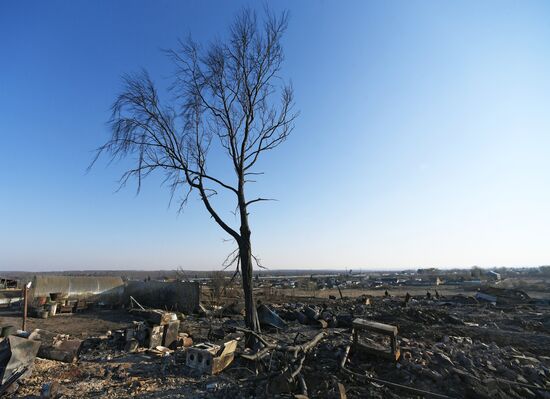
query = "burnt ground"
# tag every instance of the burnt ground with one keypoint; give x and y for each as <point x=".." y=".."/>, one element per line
<point x="80" y="325"/>
<point x="452" y="347"/>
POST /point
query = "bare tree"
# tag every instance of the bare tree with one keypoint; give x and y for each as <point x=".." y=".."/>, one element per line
<point x="217" y="284"/>
<point x="228" y="94"/>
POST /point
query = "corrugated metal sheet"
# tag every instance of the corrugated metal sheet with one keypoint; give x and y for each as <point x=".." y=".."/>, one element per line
<point x="75" y="286"/>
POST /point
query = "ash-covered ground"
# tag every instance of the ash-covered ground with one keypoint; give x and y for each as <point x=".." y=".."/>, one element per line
<point x="451" y="346"/>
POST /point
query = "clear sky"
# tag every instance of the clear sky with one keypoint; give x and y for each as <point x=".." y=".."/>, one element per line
<point x="423" y="140"/>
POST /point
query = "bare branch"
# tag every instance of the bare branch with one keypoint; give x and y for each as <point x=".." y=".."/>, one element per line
<point x="260" y="199"/>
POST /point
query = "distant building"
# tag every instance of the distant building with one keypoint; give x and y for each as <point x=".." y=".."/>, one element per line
<point x="7" y="283"/>
<point x="431" y="270"/>
<point x="493" y="276"/>
<point x="425" y="281"/>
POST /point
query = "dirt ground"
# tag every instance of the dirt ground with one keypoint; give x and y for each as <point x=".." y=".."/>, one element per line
<point x="79" y="325"/>
<point x="444" y="290"/>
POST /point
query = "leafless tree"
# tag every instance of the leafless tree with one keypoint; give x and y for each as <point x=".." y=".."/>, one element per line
<point x="228" y="94"/>
<point x="217" y="284"/>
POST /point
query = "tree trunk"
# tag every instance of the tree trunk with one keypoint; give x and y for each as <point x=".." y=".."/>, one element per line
<point x="245" y="257"/>
<point x="251" y="315"/>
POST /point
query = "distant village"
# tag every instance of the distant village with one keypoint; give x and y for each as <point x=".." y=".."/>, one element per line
<point x="314" y="279"/>
<point x="408" y="278"/>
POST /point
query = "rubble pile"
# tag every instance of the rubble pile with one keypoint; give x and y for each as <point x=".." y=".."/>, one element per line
<point x="365" y="347"/>
<point x="461" y="366"/>
<point x="455" y="347"/>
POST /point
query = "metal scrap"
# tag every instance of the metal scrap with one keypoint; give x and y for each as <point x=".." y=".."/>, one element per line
<point x="360" y="327"/>
<point x="58" y="347"/>
<point x="269" y="318"/>
<point x="17" y="355"/>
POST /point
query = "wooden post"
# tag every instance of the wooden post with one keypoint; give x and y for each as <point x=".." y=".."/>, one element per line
<point x="25" y="296"/>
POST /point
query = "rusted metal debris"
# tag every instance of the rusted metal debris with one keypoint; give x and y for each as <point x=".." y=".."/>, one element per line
<point x="210" y="358"/>
<point x="362" y="341"/>
<point x="159" y="328"/>
<point x="17" y="355"/>
<point x="58" y="347"/>
<point x="154" y="316"/>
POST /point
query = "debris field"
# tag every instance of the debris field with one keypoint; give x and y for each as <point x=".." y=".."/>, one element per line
<point x="363" y="347"/>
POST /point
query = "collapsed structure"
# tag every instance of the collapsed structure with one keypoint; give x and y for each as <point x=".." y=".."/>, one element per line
<point x="170" y="343"/>
<point x="176" y="296"/>
<point x="69" y="294"/>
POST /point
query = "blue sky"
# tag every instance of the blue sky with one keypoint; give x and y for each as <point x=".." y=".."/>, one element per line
<point x="423" y="138"/>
